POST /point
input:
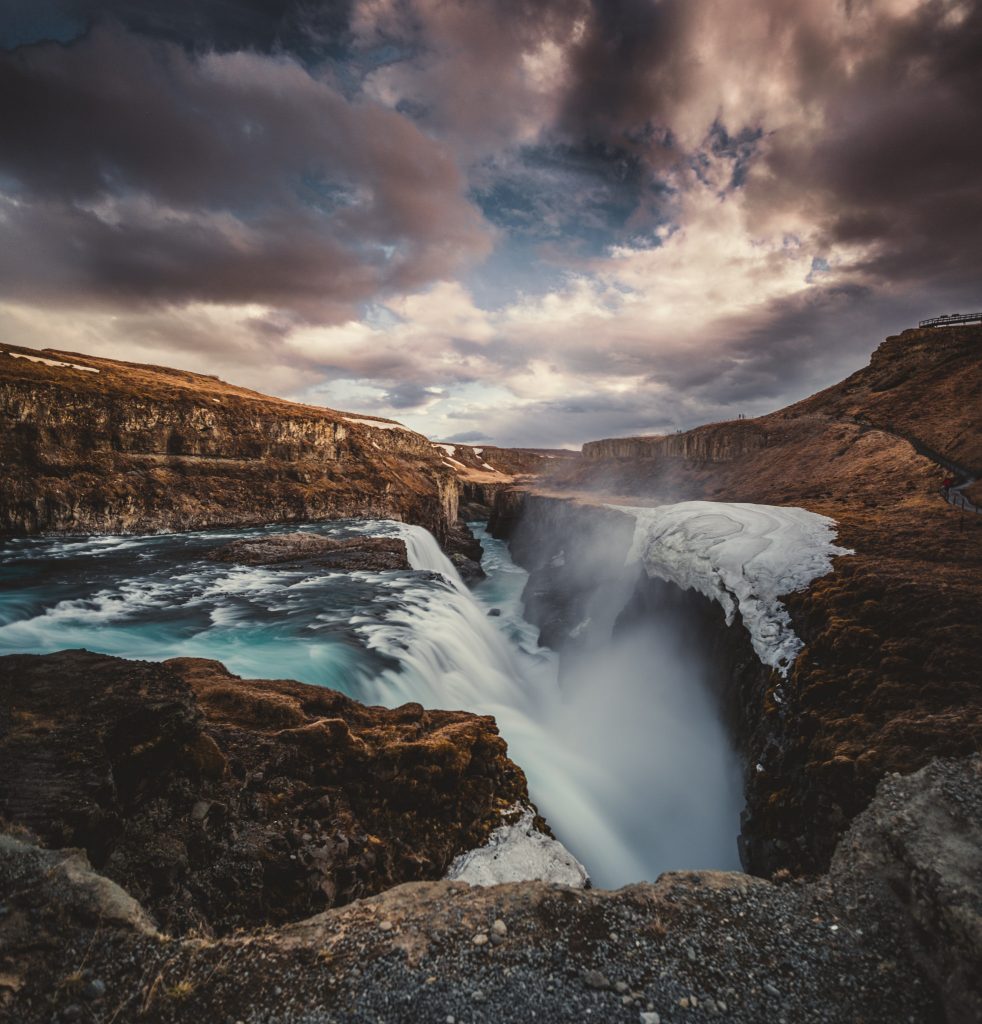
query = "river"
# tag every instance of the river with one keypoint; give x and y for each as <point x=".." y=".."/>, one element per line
<point x="623" y="748"/>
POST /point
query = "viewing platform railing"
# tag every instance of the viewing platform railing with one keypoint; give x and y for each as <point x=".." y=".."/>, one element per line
<point x="952" y="318"/>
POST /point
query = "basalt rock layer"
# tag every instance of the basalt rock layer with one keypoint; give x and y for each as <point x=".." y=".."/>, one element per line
<point x="220" y="802"/>
<point x="375" y="554"/>
<point x="101" y="446"/>
<point x="891" y="934"/>
<point x="889" y="676"/>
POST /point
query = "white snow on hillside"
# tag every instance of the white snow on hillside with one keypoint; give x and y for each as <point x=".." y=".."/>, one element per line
<point x="744" y="556"/>
<point x="62" y="363"/>
<point x="378" y="424"/>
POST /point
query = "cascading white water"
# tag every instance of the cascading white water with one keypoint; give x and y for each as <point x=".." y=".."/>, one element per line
<point x="424" y="553"/>
<point x="626" y="758"/>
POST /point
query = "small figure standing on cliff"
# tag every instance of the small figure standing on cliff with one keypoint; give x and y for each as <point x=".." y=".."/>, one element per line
<point x="946" y="485"/>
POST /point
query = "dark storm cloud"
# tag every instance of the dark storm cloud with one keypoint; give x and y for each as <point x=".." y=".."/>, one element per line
<point x="409" y="395"/>
<point x="895" y="167"/>
<point x="892" y="162"/>
<point x="303" y="27"/>
<point x="137" y="170"/>
<point x="627" y="72"/>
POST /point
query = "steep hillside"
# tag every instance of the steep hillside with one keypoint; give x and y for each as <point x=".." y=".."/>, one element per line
<point x="95" y="445"/>
<point x="889" y="675"/>
<point x="493" y="465"/>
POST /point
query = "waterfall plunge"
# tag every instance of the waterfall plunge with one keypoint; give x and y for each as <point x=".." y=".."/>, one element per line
<point x="625" y="755"/>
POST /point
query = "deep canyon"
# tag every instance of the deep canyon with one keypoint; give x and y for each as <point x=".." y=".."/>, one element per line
<point x="640" y="714"/>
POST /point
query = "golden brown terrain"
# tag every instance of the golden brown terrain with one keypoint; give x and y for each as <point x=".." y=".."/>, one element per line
<point x="102" y="446"/>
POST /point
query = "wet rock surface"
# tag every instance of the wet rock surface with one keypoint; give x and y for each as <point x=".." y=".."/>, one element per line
<point x="465" y="551"/>
<point x="358" y="553"/>
<point x="219" y="802"/>
<point x="889" y="935"/>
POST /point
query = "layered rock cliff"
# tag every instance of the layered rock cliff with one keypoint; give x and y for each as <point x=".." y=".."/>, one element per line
<point x="716" y="442"/>
<point x="888" y="677"/>
<point x="101" y="446"/>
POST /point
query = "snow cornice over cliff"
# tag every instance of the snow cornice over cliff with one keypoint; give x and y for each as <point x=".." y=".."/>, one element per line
<point x="744" y="556"/>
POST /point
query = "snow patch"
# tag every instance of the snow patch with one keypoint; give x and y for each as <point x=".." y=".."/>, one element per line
<point x="519" y="853"/>
<point x="378" y="424"/>
<point x="53" y="362"/>
<point x="744" y="556"/>
<point x="450" y="449"/>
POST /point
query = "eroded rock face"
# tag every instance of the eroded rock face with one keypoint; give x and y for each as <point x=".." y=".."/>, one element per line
<point x="359" y="553"/>
<point x="465" y="551"/>
<point x="134" y="448"/>
<point x="220" y="802"/>
<point x="890" y="935"/>
<point x="888" y="678"/>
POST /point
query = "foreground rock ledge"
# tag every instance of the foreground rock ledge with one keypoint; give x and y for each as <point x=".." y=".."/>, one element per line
<point x="891" y="934"/>
<point x="220" y="802"/>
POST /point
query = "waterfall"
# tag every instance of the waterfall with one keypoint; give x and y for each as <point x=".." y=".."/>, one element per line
<point x="625" y="755"/>
<point x="623" y="750"/>
<point x="424" y="553"/>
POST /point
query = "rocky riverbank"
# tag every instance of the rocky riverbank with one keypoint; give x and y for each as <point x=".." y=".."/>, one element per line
<point x="891" y="933"/>
<point x="220" y="803"/>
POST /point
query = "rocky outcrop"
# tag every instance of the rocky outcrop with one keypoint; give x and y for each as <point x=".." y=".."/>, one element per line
<point x="716" y="442"/>
<point x="220" y="802"/>
<point x="374" y="554"/>
<point x="891" y="934"/>
<point x="465" y="552"/>
<point x="100" y="446"/>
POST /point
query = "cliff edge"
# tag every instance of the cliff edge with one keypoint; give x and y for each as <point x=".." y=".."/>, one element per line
<point x="888" y="677"/>
<point x="101" y="446"/>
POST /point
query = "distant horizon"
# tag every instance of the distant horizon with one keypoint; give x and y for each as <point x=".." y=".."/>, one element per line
<point x="471" y="440"/>
<point x="673" y="212"/>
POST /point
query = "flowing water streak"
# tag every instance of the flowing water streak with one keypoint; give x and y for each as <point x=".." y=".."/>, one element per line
<point x="625" y="755"/>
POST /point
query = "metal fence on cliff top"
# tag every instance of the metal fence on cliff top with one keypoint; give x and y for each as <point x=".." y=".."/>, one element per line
<point x="952" y="318"/>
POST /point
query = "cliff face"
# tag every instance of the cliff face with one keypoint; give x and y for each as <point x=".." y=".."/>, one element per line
<point x="888" y="678"/>
<point x="98" y="446"/>
<point x="717" y="442"/>
<point x="221" y="802"/>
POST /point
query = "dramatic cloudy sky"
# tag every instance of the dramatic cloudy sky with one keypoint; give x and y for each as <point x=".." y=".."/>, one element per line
<point x="527" y="221"/>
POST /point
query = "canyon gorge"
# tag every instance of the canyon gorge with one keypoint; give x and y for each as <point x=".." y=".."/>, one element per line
<point x="626" y="690"/>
